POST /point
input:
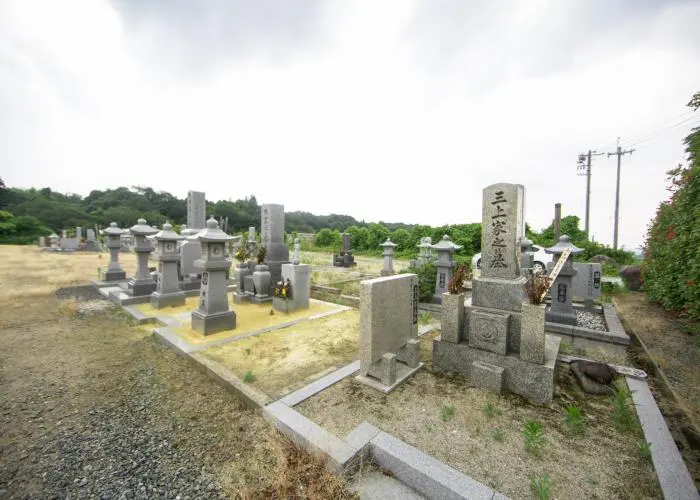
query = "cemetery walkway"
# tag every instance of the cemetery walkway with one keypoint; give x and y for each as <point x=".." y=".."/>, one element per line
<point x="92" y="406"/>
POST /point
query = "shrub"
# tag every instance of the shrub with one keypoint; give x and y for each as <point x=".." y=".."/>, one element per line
<point x="427" y="276"/>
<point x="671" y="268"/>
<point x="462" y="274"/>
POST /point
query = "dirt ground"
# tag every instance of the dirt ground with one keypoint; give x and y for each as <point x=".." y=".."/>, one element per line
<point x="282" y="360"/>
<point x="92" y="406"/>
<point x="602" y="463"/>
<point x="676" y="351"/>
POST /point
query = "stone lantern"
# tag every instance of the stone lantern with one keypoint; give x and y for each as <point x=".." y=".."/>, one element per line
<point x="425" y="253"/>
<point x="168" y="291"/>
<point x="213" y="314"/>
<point x="114" y="272"/>
<point x="388" y="252"/>
<point x="445" y="263"/>
<point x="142" y="283"/>
<point x="562" y="309"/>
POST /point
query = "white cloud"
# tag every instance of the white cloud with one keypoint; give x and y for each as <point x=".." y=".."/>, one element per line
<point x="386" y="111"/>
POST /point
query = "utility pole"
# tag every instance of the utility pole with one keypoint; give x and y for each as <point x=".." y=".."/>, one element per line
<point x="584" y="168"/>
<point x="620" y="153"/>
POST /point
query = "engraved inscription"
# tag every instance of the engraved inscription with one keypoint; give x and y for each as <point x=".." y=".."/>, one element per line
<point x="415" y="304"/>
<point x="498" y="229"/>
<point x="488" y="332"/>
<point x="442" y="280"/>
<point x="205" y="278"/>
<point x="561" y="293"/>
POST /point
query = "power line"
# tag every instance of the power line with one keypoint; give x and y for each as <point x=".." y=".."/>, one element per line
<point x="683" y="117"/>
<point x="661" y="133"/>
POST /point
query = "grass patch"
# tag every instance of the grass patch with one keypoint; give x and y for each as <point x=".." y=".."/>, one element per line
<point x="249" y="378"/>
<point x="644" y="450"/>
<point x="622" y="414"/>
<point x="539" y="486"/>
<point x="425" y="317"/>
<point x="534" y="437"/>
<point x="498" y="435"/>
<point x="446" y="413"/>
<point x="575" y="419"/>
<point x="490" y="410"/>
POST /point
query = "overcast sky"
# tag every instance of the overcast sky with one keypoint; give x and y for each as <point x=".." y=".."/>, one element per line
<point x="383" y="110"/>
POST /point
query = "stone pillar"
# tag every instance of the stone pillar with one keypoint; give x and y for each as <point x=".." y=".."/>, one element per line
<point x="114" y="242"/>
<point x="196" y="209"/>
<point x="295" y="256"/>
<point x="388" y="252"/>
<point x="142" y="283"/>
<point x="168" y="293"/>
<point x="445" y="249"/>
<point x="213" y="314"/>
<point x="562" y="308"/>
<point x="272" y="238"/>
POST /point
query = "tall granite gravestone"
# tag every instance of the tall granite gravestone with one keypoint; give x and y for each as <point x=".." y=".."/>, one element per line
<point x="445" y="263"/>
<point x="587" y="281"/>
<point x="91" y="244"/>
<point x="389" y="345"/>
<point x="345" y="257"/>
<point x="562" y="308"/>
<point x="196" y="210"/>
<point x="488" y="348"/>
<point x="190" y="252"/>
<point x="213" y="314"/>
<point x="168" y="293"/>
<point x="388" y="254"/>
<point x="272" y="238"/>
<point x="114" y="242"/>
<point x="142" y="283"/>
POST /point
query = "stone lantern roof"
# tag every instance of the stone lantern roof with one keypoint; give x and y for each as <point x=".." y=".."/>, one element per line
<point x="188" y="231"/>
<point x="388" y="244"/>
<point x="142" y="229"/>
<point x="113" y="230"/>
<point x="53" y="235"/>
<point x="212" y="234"/>
<point x="446" y="244"/>
<point x="166" y="234"/>
<point x="562" y="245"/>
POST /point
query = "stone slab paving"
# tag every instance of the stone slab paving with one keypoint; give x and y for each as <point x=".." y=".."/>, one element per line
<point x="378" y="486"/>
<point x="674" y="478"/>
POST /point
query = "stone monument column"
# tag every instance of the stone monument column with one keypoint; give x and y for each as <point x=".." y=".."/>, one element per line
<point x="196" y="210"/>
<point x="388" y="252"/>
<point x="213" y="314"/>
<point x="168" y="293"/>
<point x="190" y="251"/>
<point x="272" y="238"/>
<point x="562" y="308"/>
<point x="142" y="283"/>
<point x="114" y="272"/>
<point x="445" y="264"/>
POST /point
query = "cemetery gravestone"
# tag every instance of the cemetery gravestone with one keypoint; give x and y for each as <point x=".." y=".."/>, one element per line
<point x="272" y="238"/>
<point x="213" y="314"/>
<point x="190" y="252"/>
<point x="345" y="257"/>
<point x="586" y="282"/>
<point x="389" y="345"/>
<point x="489" y="347"/>
<point x="196" y="210"/>
<point x="168" y="293"/>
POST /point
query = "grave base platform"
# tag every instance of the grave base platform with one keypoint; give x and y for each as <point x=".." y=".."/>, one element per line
<point x="161" y="300"/>
<point x="260" y="300"/>
<point x="561" y="317"/>
<point x="532" y="381"/>
<point x="137" y="288"/>
<point x="241" y="298"/>
<point x="190" y="284"/>
<point x="207" y="324"/>
<point x="113" y="276"/>
<point x="403" y="372"/>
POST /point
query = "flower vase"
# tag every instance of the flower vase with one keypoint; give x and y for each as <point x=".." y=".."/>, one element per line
<point x="261" y="279"/>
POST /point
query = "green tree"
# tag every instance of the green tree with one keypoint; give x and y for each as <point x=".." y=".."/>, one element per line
<point x="324" y="238"/>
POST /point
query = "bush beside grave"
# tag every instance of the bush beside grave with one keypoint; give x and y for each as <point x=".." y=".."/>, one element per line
<point x="427" y="276"/>
<point x="671" y="269"/>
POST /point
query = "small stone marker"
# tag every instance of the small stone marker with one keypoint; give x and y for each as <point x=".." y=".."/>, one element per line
<point x="345" y="257"/>
<point x="295" y="256"/>
<point x="389" y="345"/>
<point x="388" y="252"/>
<point x="142" y="283"/>
<point x="299" y="276"/>
<point x="114" y="272"/>
<point x="213" y="314"/>
<point x="196" y="209"/>
<point x="168" y="293"/>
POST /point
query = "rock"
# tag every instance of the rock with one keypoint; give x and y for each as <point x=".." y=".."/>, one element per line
<point x="588" y="384"/>
<point x="632" y="276"/>
<point x="600" y="372"/>
<point x="599" y="259"/>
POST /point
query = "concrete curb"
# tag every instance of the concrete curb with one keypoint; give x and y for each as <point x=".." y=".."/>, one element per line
<point x="610" y="337"/>
<point x="674" y="478"/>
<point x="172" y="339"/>
<point x="138" y="316"/>
<point x="319" y="385"/>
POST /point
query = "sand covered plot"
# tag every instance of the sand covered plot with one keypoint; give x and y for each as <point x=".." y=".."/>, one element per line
<point x="285" y="359"/>
<point x="482" y="435"/>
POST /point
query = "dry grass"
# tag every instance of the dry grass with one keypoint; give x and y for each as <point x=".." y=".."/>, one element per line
<point x="26" y="272"/>
<point x="602" y="463"/>
<point x="284" y="359"/>
<point x="299" y="475"/>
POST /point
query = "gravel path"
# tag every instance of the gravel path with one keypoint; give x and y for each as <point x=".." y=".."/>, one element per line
<point x="92" y="408"/>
